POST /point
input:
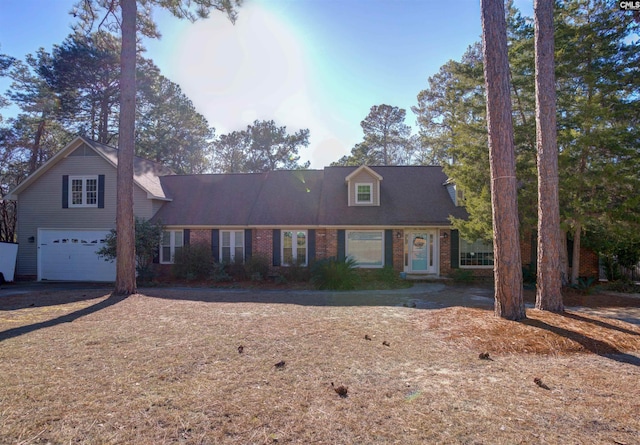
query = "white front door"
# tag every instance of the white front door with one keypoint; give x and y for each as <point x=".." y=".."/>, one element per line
<point x="422" y="250"/>
<point x="70" y="255"/>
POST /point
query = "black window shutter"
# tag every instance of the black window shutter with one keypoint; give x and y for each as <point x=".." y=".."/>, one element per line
<point x="311" y="245"/>
<point x="341" y="245"/>
<point x="276" y="247"/>
<point x="247" y="244"/>
<point x="186" y="239"/>
<point x="388" y="247"/>
<point x="455" y="249"/>
<point x="101" y="191"/>
<point x="65" y="191"/>
<point x="156" y="255"/>
<point x="215" y="244"/>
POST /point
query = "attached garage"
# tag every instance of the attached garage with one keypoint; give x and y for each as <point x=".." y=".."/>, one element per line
<point x="70" y="255"/>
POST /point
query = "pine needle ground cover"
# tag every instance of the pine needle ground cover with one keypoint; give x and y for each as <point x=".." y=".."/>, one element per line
<point x="203" y="367"/>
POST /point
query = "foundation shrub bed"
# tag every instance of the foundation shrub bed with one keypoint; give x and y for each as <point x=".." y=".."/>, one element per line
<point x="193" y="262"/>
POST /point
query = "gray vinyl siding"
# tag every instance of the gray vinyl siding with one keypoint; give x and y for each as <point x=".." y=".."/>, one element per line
<point x="364" y="178"/>
<point x="155" y="206"/>
<point x="40" y="205"/>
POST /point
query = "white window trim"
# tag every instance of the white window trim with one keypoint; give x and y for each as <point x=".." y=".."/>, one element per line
<point x="294" y="248"/>
<point x="172" y="246"/>
<point x="84" y="191"/>
<point x="382" y="251"/>
<point x="370" y="184"/>
<point x="465" y="266"/>
<point x="232" y="251"/>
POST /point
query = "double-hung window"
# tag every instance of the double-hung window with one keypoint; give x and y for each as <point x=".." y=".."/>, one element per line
<point x="83" y="191"/>
<point x="232" y="246"/>
<point x="366" y="247"/>
<point x="172" y="242"/>
<point x="477" y="253"/>
<point x="294" y="247"/>
<point x="364" y="193"/>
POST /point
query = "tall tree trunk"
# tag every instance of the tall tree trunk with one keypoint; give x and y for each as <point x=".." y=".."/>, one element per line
<point x="125" y="227"/>
<point x="549" y="279"/>
<point x="575" y="257"/>
<point x="509" y="302"/>
<point x="35" y="149"/>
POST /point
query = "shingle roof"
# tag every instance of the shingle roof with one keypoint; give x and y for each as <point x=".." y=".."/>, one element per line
<point x="209" y="199"/>
<point x="145" y="172"/>
<point x="409" y="196"/>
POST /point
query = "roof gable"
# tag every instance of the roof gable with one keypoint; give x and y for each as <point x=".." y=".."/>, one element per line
<point x="363" y="168"/>
<point x="146" y="173"/>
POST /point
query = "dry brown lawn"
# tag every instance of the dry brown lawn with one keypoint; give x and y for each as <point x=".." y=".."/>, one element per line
<point x="164" y="368"/>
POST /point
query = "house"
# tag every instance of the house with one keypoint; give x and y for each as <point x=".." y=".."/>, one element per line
<point x="68" y="205"/>
<point x="394" y="216"/>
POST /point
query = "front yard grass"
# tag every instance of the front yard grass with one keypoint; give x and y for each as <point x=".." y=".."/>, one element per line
<point x="165" y="368"/>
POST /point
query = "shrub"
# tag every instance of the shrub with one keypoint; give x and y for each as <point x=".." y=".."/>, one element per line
<point x="257" y="267"/>
<point x="529" y="274"/>
<point x="584" y="285"/>
<point x="218" y="273"/>
<point x="147" y="236"/>
<point x="236" y="270"/>
<point x="626" y="286"/>
<point x="334" y="274"/>
<point x="462" y="276"/>
<point x="296" y="273"/>
<point x="193" y="262"/>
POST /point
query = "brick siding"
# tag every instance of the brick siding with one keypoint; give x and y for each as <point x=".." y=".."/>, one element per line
<point x="398" y="250"/>
<point x="445" y="252"/>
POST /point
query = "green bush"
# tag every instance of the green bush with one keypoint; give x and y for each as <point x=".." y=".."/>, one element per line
<point x="584" y="285"/>
<point x="462" y="276"/>
<point x="218" y="273"/>
<point x="236" y="270"/>
<point x="257" y="267"/>
<point x="296" y="273"/>
<point x="626" y="286"/>
<point x="193" y="262"/>
<point x="147" y="236"/>
<point x="529" y="274"/>
<point x="334" y="274"/>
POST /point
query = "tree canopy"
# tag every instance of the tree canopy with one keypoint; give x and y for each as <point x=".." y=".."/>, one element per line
<point x="387" y="139"/>
<point x="262" y="146"/>
<point x="598" y="95"/>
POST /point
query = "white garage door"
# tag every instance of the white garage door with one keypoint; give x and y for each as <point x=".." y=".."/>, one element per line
<point x="70" y="255"/>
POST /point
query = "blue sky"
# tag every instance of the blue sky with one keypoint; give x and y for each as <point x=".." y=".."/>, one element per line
<point x="317" y="64"/>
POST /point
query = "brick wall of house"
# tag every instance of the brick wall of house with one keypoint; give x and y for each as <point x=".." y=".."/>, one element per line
<point x="398" y="250"/>
<point x="326" y="243"/>
<point x="445" y="252"/>
<point x="262" y="242"/>
<point x="200" y="237"/>
<point x="588" y="263"/>
<point x="526" y="250"/>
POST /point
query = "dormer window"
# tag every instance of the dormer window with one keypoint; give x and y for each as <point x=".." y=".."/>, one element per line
<point x="364" y="194"/>
<point x="363" y="187"/>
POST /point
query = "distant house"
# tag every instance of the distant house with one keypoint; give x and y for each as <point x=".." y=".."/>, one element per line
<point x="394" y="216"/>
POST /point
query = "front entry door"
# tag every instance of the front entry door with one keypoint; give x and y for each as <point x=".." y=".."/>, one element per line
<point x="422" y="252"/>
